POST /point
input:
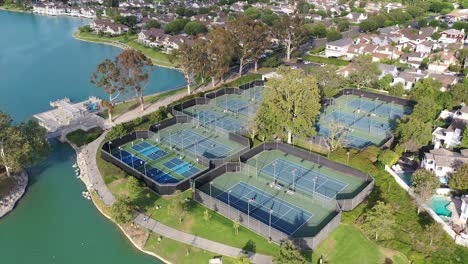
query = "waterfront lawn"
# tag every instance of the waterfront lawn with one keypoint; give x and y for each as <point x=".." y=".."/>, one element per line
<point x="318" y="59"/>
<point x="410" y="236"/>
<point x="347" y="244"/>
<point x="155" y="55"/>
<point x="80" y="137"/>
<point x="109" y="171"/>
<point x="177" y="252"/>
<point x="218" y="228"/>
<point x="124" y="107"/>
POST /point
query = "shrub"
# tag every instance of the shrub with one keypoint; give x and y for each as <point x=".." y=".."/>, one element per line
<point x="116" y="132"/>
<point x="272" y="61"/>
<point x="388" y="157"/>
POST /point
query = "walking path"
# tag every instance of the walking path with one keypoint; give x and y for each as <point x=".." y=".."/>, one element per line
<point x="86" y="160"/>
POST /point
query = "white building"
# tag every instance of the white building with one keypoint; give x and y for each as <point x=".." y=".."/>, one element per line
<point x="338" y="48"/>
<point x="443" y="163"/>
<point x="464" y="209"/>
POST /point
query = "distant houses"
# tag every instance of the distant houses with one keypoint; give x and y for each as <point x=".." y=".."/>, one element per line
<point x="106" y="26"/>
<point x="60" y="9"/>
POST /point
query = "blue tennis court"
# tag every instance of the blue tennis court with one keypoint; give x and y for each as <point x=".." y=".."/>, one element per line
<point x="129" y="159"/>
<point x="359" y="120"/>
<point x="181" y="167"/>
<point x="380" y="108"/>
<point x="238" y="106"/>
<point x="198" y="144"/>
<point x="350" y="139"/>
<point x="258" y="204"/>
<point x="211" y="118"/>
<point x="305" y="179"/>
<point x="159" y="176"/>
<point x="149" y="150"/>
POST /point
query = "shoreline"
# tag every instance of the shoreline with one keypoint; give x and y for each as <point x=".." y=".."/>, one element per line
<point x="85" y="180"/>
<point x="8" y="203"/>
<point x="122" y="46"/>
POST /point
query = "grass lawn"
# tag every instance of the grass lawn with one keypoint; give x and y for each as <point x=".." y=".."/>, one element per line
<point x="410" y="235"/>
<point x="177" y="252"/>
<point x="318" y="59"/>
<point x="244" y="80"/>
<point x="158" y="57"/>
<point x="80" y="137"/>
<point x="348" y="245"/>
<point x="132" y="104"/>
<point x="218" y="228"/>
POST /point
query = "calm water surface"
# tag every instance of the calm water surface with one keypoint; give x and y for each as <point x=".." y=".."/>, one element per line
<point x="40" y="62"/>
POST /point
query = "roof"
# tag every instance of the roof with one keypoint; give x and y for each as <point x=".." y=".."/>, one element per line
<point x="341" y="42"/>
<point x="447" y="158"/>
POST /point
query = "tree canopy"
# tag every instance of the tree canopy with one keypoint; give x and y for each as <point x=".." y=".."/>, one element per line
<point x="380" y="221"/>
<point x="289" y="254"/>
<point x="122" y="210"/>
<point x="194" y="28"/>
<point x="459" y="180"/>
<point x="291" y="32"/>
<point x="291" y="104"/>
<point x="365" y="71"/>
<point x="20" y="144"/>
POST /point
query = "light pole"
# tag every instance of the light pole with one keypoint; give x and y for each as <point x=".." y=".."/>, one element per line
<point x="315" y="185"/>
<point x="144" y="165"/>
<point x="248" y="212"/>
<point x="120" y="153"/>
<point x="347" y="159"/>
<point x="294" y="179"/>
<point x="157" y="132"/>
<point x="269" y="229"/>
<point x="211" y="197"/>
<point x="133" y="165"/>
<point x="110" y="142"/>
<point x="274" y="172"/>
<point x="229" y="204"/>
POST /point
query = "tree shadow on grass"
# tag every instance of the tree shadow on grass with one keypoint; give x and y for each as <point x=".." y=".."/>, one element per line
<point x="250" y="246"/>
<point x="425" y="219"/>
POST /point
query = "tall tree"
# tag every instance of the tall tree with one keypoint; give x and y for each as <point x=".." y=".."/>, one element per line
<point x="380" y="221"/>
<point x="188" y="58"/>
<point x="291" y="32"/>
<point x="20" y="145"/>
<point x="336" y="136"/>
<point x="289" y="254"/>
<point x="365" y="71"/>
<point x="292" y="101"/>
<point x="329" y="82"/>
<point x="459" y="181"/>
<point x="252" y="38"/>
<point x="413" y="133"/>
<point x="135" y="70"/>
<point x="122" y="210"/>
<point x="107" y="77"/>
<point x="220" y="52"/>
<point x="424" y="185"/>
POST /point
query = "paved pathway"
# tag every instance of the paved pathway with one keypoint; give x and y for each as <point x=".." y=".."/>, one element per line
<point x="91" y="175"/>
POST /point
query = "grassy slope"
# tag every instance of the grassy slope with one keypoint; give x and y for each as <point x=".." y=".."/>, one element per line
<point x="348" y="245"/>
<point x="80" y="137"/>
<point x="156" y="56"/>
<point x="218" y="228"/>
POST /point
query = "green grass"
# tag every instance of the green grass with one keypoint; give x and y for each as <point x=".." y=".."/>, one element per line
<point x="410" y="236"/>
<point x="157" y="56"/>
<point x="332" y="61"/>
<point x="177" y="252"/>
<point x="244" y="80"/>
<point x="80" y="137"/>
<point x="124" y="107"/>
<point x="348" y="245"/>
<point x="218" y="228"/>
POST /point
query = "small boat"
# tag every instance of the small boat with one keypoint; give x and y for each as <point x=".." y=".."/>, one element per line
<point x="74" y="165"/>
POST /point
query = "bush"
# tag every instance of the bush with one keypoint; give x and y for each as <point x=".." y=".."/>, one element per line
<point x="158" y="115"/>
<point x="194" y="28"/>
<point x="116" y="132"/>
<point x="272" y="61"/>
<point x="388" y="157"/>
<point x="317" y="50"/>
<point x="81" y="137"/>
<point x="85" y="29"/>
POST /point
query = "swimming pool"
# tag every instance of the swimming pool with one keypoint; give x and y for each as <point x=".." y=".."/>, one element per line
<point x="406" y="176"/>
<point x="439" y="205"/>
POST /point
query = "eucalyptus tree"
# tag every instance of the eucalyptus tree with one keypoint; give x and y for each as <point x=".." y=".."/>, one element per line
<point x="220" y="49"/>
<point x="291" y="32"/>
<point x="135" y="70"/>
<point x="107" y="77"/>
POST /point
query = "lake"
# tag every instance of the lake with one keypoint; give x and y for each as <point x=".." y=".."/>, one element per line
<point x="39" y="62"/>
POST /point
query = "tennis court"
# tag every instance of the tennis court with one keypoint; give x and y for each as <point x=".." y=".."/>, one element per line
<point x="237" y="106"/>
<point x="181" y="167"/>
<point x="196" y="143"/>
<point x="160" y="176"/>
<point x="208" y="117"/>
<point x="297" y="176"/>
<point x="365" y="121"/>
<point x="149" y="150"/>
<point x="266" y="208"/>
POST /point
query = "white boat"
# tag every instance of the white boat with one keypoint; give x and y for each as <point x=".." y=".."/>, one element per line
<point x="74" y="165"/>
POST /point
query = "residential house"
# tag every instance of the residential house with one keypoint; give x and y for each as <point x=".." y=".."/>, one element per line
<point x="444" y="163"/>
<point x="440" y="61"/>
<point x="452" y="36"/>
<point x="413" y="58"/>
<point x="107" y="26"/>
<point x="415" y="36"/>
<point x="408" y="78"/>
<point x="355" y="17"/>
<point x="388" y="69"/>
<point x="338" y="48"/>
<point x="449" y="137"/>
<point x="446" y="80"/>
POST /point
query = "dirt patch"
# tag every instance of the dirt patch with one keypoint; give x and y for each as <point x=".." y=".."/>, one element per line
<point x="389" y="253"/>
<point x="188" y="222"/>
<point x="137" y="234"/>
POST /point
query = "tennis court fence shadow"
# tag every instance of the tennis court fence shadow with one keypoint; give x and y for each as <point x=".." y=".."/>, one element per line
<point x="347" y="201"/>
<point x="250" y="222"/>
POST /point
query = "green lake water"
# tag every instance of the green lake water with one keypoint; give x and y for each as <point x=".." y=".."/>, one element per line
<point x="52" y="223"/>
